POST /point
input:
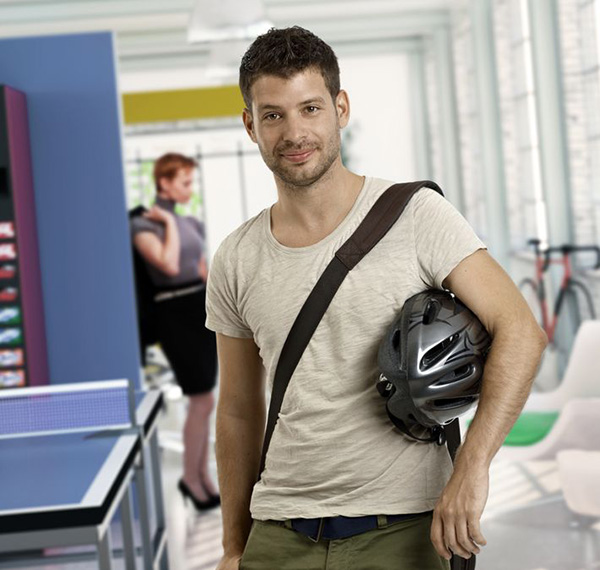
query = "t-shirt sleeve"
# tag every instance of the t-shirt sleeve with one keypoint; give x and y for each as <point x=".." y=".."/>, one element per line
<point x="443" y="238"/>
<point x="140" y="224"/>
<point x="222" y="313"/>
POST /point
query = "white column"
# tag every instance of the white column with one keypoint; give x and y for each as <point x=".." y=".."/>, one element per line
<point x="491" y="133"/>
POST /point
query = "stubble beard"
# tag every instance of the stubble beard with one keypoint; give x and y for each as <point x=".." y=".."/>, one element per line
<point x="297" y="178"/>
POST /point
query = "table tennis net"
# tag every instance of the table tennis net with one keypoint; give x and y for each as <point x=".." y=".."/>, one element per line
<point x="41" y="412"/>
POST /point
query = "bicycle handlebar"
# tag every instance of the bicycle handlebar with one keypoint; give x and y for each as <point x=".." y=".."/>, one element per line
<point x="565" y="249"/>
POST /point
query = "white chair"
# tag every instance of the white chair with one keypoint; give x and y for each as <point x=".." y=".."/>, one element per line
<point x="577" y="427"/>
<point x="579" y="473"/>
<point x="581" y="378"/>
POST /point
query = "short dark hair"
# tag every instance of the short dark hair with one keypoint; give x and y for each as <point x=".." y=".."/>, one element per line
<point x="285" y="52"/>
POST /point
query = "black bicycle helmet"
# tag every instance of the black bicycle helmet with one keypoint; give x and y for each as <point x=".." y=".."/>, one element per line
<point x="431" y="363"/>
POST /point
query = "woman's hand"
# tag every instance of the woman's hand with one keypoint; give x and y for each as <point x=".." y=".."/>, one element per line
<point x="158" y="214"/>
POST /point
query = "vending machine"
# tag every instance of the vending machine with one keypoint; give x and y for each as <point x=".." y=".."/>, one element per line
<point x="23" y="352"/>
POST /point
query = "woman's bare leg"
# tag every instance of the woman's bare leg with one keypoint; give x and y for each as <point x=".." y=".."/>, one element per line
<point x="196" y="445"/>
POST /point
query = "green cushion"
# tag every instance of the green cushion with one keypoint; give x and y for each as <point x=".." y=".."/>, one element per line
<point x="530" y="428"/>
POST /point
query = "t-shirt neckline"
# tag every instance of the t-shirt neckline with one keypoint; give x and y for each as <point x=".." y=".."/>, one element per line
<point x="327" y="239"/>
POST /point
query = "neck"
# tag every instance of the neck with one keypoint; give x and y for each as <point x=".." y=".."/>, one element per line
<point x="303" y="216"/>
<point x="165" y="202"/>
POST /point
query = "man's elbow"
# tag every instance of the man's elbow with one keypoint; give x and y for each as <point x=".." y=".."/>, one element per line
<point x="542" y="337"/>
<point x="524" y="332"/>
<point x="532" y="332"/>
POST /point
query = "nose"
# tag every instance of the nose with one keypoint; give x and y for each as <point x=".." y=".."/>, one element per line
<point x="295" y="130"/>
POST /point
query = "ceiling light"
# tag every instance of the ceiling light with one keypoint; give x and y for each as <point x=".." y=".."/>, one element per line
<point x="220" y="20"/>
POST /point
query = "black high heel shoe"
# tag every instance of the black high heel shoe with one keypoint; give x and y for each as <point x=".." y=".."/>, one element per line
<point x="216" y="499"/>
<point x="213" y="501"/>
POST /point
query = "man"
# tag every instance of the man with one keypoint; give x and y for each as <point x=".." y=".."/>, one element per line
<point x="334" y="452"/>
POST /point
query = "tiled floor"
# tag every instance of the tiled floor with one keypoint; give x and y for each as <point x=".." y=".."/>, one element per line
<point x="526" y="522"/>
<point x="194" y="539"/>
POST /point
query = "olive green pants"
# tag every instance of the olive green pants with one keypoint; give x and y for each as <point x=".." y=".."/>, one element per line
<point x="404" y="545"/>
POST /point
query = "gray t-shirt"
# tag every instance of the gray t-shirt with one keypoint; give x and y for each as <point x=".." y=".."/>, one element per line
<point x="334" y="451"/>
<point x="191" y="237"/>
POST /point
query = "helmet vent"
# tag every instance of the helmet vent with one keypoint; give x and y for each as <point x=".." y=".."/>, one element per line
<point x="434" y="355"/>
<point x="451" y="403"/>
<point x="463" y="371"/>
<point x="396" y="340"/>
<point x="431" y="311"/>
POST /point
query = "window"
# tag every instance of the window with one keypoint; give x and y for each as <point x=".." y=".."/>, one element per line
<point x="433" y="113"/>
<point x="469" y="124"/>
<point x="520" y="134"/>
<point x="579" y="24"/>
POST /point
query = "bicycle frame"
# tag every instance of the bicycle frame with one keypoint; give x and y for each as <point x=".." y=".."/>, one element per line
<point x="543" y="261"/>
<point x="541" y="266"/>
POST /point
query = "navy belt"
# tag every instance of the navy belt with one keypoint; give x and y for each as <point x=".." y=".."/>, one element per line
<point x="332" y="528"/>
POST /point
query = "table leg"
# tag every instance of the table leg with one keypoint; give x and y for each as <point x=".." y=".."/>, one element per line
<point x="157" y="480"/>
<point x="105" y="551"/>
<point x="142" y="492"/>
<point x="127" y="527"/>
<point x="158" y="499"/>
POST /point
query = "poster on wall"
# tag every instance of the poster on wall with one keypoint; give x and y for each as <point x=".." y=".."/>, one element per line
<point x="23" y="353"/>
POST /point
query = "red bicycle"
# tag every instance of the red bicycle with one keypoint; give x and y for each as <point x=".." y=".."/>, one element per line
<point x="572" y="294"/>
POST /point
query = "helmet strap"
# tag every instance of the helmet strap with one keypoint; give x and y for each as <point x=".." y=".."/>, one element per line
<point x="437" y="433"/>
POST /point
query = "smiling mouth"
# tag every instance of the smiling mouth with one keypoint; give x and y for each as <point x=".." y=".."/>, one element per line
<point x="297" y="157"/>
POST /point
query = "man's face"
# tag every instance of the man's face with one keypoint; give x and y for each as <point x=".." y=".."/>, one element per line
<point x="296" y="125"/>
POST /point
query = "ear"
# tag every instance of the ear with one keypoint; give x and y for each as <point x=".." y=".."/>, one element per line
<point x="249" y="123"/>
<point x="342" y="107"/>
<point x="163" y="184"/>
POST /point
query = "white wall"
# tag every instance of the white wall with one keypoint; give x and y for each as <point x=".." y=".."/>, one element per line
<point x="381" y="124"/>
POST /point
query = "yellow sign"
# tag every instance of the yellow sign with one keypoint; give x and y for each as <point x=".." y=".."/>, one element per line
<point x="182" y="104"/>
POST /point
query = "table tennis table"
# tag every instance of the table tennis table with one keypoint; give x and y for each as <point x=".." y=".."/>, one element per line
<point x="64" y="489"/>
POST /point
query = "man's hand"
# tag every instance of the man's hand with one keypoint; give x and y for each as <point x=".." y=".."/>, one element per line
<point x="229" y="562"/>
<point x="455" y="528"/>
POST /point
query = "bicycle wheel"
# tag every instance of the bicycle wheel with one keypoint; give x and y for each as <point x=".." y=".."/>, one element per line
<point x="585" y="301"/>
<point x="576" y="306"/>
<point x="529" y="290"/>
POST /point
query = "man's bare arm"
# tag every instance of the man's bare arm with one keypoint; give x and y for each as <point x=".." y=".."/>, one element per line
<point x="240" y="431"/>
<point x="517" y="346"/>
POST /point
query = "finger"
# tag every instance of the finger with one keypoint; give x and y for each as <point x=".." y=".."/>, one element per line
<point x="475" y="532"/>
<point x="437" y="537"/>
<point x="463" y="538"/>
<point x="451" y="540"/>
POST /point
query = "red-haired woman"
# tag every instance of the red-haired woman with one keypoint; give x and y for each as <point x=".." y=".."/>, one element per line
<point x="173" y="248"/>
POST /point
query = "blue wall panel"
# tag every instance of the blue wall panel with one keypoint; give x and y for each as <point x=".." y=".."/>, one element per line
<point x="85" y="250"/>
